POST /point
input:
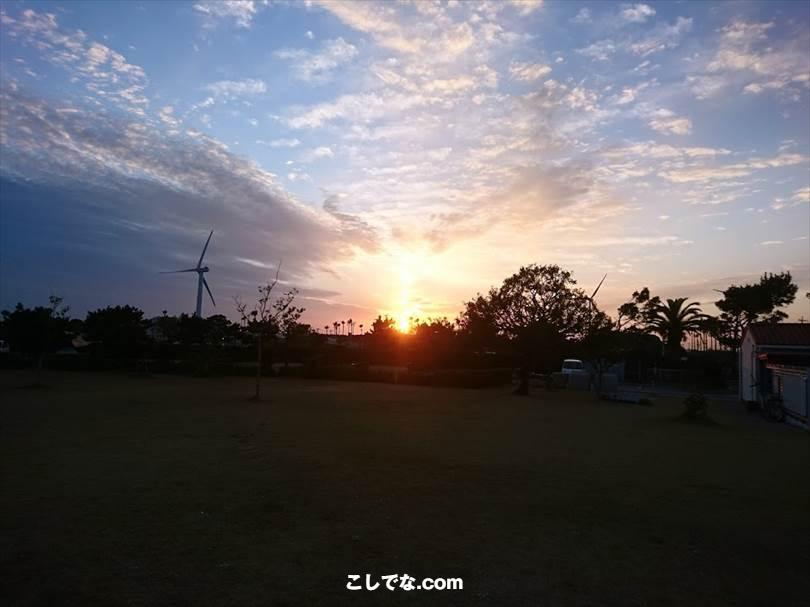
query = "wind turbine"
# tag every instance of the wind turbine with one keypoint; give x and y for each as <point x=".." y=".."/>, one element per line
<point x="590" y="301"/>
<point x="201" y="282"/>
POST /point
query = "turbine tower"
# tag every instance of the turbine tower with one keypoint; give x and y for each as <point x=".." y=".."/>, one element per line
<point x="201" y="282"/>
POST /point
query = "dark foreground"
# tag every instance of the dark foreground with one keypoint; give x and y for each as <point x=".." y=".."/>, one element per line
<point x="175" y="491"/>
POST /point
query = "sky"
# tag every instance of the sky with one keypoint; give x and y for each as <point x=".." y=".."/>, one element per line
<point x="399" y="157"/>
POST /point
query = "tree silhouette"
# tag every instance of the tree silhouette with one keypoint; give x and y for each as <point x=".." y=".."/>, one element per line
<point x="268" y="318"/>
<point x="120" y="329"/>
<point x="36" y="332"/>
<point x="637" y="313"/>
<point x="673" y="320"/>
<point x="745" y="304"/>
<point x="537" y="307"/>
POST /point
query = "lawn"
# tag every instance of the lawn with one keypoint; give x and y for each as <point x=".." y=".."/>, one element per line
<point x="121" y="490"/>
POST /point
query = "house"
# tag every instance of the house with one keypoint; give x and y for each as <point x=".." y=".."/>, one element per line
<point x="775" y="360"/>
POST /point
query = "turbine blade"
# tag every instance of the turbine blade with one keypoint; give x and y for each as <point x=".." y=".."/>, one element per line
<point x="176" y="271"/>
<point x="205" y="284"/>
<point x="199" y="263"/>
<point x="598" y="287"/>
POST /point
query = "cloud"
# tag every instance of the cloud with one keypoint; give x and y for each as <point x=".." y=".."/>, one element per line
<point x="239" y="11"/>
<point x="662" y="37"/>
<point x="231" y="89"/>
<point x="318" y="153"/>
<point x="171" y="185"/>
<point x="379" y="20"/>
<point x="731" y="171"/>
<point x="745" y="58"/>
<point x="528" y="72"/>
<point x="353" y="228"/>
<point x="601" y="50"/>
<point x="800" y="196"/>
<point x="526" y="7"/>
<point x="651" y="149"/>
<point x="666" y="122"/>
<point x="582" y="16"/>
<point x="363" y="107"/>
<point x="106" y="74"/>
<point x="428" y="30"/>
<point x="637" y="13"/>
<point x="630" y="93"/>
<point x="280" y="143"/>
<point x="318" y="66"/>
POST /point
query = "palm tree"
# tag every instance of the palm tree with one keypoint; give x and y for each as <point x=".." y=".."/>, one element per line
<point x="361" y="329"/>
<point x="342" y="327"/>
<point x="673" y="320"/>
<point x="336" y="324"/>
<point x="350" y="322"/>
<point x="326" y="329"/>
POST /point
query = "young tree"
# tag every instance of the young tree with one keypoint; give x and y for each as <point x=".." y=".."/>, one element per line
<point x="268" y="317"/>
<point x="759" y="302"/>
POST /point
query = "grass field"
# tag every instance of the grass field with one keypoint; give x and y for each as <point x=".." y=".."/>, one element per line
<point x="176" y="491"/>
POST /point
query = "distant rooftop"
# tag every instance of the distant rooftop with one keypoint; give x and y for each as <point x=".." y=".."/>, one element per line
<point x="781" y="334"/>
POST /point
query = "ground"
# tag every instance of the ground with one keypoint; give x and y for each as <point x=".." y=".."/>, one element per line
<point x="121" y="490"/>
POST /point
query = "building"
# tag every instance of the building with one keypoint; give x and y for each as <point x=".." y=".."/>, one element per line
<point x="775" y="360"/>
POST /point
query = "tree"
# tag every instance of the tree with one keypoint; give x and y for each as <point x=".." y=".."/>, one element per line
<point x="383" y="326"/>
<point x="759" y="302"/>
<point x="269" y="317"/>
<point x="476" y="323"/>
<point x="120" y="329"/>
<point x="673" y="320"/>
<point x="432" y="342"/>
<point x="637" y="313"/>
<point x="537" y="306"/>
<point x="36" y="332"/>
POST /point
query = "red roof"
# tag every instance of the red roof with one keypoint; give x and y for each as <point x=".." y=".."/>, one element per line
<point x="781" y="334"/>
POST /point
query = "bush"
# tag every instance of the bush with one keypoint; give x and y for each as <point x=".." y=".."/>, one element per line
<point x="696" y="407"/>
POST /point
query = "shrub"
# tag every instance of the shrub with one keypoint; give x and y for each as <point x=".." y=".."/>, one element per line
<point x="695" y="407"/>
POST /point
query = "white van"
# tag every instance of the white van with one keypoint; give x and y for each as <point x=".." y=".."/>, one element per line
<point x="572" y="365"/>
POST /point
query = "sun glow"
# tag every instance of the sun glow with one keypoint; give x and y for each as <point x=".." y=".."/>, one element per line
<point x="403" y="323"/>
<point x="407" y="309"/>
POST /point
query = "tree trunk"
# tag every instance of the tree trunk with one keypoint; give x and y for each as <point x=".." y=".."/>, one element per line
<point x="523" y="386"/>
<point x="258" y="394"/>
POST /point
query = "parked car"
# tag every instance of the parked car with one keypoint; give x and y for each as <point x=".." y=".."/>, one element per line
<point x="572" y="365"/>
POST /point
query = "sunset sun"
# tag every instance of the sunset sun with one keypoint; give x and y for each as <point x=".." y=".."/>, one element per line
<point x="358" y="291"/>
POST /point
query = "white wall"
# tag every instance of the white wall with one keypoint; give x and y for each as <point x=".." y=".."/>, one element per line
<point x="794" y="393"/>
